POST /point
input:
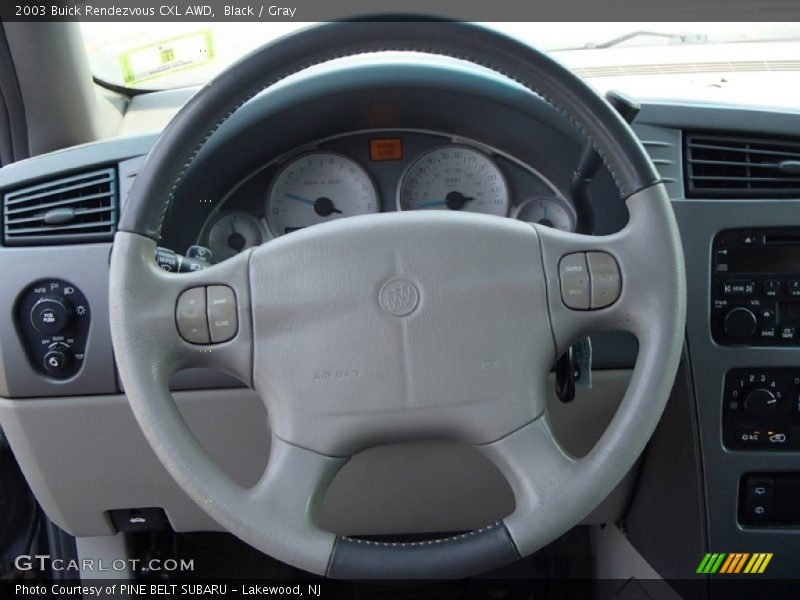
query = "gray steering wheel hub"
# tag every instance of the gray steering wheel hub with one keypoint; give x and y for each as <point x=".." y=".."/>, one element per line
<point x="398" y="326"/>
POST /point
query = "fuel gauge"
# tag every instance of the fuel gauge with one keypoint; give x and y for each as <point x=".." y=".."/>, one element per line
<point x="548" y="211"/>
<point x="232" y="232"/>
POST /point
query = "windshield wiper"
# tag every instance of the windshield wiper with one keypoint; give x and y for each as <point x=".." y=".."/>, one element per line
<point x="674" y="39"/>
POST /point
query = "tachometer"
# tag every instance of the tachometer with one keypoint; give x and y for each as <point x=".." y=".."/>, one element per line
<point x="316" y="188"/>
<point x="232" y="232"/>
<point x="454" y="178"/>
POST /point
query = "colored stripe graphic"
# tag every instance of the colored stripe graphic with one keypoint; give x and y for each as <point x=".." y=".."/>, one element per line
<point x="734" y="563"/>
<point x="742" y="558"/>
<point x="703" y="563"/>
<point x="765" y="562"/>
<point x="727" y="564"/>
<point x="711" y="562"/>
<point x="730" y="563"/>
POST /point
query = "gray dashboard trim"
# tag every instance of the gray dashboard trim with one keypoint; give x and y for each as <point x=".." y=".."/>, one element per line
<point x="86" y="267"/>
<point x="727" y="117"/>
<point x="77" y="158"/>
<point x="84" y="455"/>
<point x="699" y="221"/>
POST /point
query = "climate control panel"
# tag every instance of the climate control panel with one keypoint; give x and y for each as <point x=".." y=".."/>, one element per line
<point x="53" y="322"/>
<point x="761" y="409"/>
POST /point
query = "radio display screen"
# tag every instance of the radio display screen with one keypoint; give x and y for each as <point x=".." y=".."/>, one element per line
<point x="764" y="259"/>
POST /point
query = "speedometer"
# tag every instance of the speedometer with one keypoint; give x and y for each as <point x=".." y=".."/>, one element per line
<point x="454" y="178"/>
<point x="316" y="188"/>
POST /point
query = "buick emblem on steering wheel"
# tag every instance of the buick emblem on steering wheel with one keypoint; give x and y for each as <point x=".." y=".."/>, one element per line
<point x="399" y="297"/>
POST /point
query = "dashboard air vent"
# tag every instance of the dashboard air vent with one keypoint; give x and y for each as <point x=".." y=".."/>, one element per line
<point x="729" y="166"/>
<point x="67" y="210"/>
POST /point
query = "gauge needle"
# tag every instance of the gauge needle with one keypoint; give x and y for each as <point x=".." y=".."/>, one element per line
<point x="300" y="199"/>
<point x="431" y="203"/>
<point x="233" y="225"/>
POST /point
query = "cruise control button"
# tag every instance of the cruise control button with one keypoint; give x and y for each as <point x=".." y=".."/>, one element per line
<point x="221" y="306"/>
<point x="604" y="277"/>
<point x="573" y="273"/>
<point x="190" y="315"/>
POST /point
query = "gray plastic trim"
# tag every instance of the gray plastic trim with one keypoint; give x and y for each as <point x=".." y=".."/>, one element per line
<point x="86" y="455"/>
<point x="86" y="267"/>
<point x="699" y="221"/>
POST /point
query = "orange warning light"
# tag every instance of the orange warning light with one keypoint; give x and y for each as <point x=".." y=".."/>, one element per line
<point x="386" y="149"/>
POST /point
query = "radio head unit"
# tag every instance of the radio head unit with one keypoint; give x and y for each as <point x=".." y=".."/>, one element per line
<point x="755" y="287"/>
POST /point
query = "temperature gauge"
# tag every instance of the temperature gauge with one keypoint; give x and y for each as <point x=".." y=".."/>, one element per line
<point x="232" y="232"/>
<point x="549" y="211"/>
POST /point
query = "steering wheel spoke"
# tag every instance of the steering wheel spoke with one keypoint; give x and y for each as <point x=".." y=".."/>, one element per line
<point x="614" y="282"/>
<point x="285" y="502"/>
<point x="197" y="319"/>
<point x="540" y="473"/>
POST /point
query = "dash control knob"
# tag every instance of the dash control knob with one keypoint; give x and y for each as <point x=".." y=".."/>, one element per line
<point x="50" y="314"/>
<point x="740" y="322"/>
<point x="57" y="358"/>
<point x="760" y="403"/>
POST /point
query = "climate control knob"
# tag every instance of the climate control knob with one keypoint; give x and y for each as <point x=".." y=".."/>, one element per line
<point x="740" y="322"/>
<point x="760" y="403"/>
<point x="51" y="314"/>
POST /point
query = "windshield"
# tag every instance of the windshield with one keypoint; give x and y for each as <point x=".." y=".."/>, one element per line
<point x="169" y="55"/>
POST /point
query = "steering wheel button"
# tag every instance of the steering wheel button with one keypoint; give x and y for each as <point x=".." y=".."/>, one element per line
<point x="221" y="306"/>
<point x="190" y="315"/>
<point x="573" y="273"/>
<point x="605" y="278"/>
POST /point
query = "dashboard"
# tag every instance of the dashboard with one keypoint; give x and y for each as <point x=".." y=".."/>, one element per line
<point x="379" y="171"/>
<point x="410" y="137"/>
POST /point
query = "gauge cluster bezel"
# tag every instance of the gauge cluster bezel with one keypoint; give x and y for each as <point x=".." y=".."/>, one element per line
<point x="386" y="176"/>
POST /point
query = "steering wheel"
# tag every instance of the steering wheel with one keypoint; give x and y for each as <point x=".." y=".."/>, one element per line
<point x="399" y="326"/>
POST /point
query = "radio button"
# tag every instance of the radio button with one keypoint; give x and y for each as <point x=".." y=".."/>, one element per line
<point x="766" y="314"/>
<point x="787" y="333"/>
<point x="767" y="332"/>
<point x="793" y="288"/>
<point x="771" y="287"/>
<point x="741" y="287"/>
<point x="604" y="277"/>
<point x="573" y="272"/>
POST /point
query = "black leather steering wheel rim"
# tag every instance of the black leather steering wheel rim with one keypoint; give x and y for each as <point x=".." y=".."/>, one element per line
<point x="205" y="112"/>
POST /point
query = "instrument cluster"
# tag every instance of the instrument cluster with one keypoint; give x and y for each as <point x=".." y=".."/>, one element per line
<point x="378" y="171"/>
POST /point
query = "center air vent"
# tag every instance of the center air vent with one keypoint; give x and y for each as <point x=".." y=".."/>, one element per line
<point x="79" y="208"/>
<point x="729" y="166"/>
